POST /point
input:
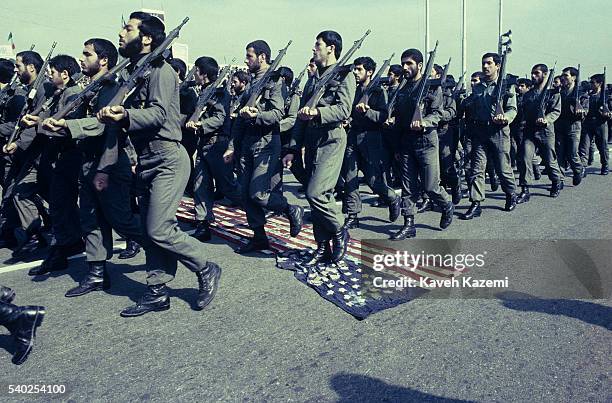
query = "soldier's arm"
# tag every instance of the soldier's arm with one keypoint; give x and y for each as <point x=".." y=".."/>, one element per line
<point x="111" y="148"/>
<point x="554" y="109"/>
<point x="91" y="126"/>
<point x="449" y="111"/>
<point x="378" y="107"/>
<point x="274" y="109"/>
<point x="433" y="108"/>
<point x="12" y="110"/>
<point x="162" y="87"/>
<point x="341" y="110"/>
<point x="289" y="120"/>
<point x="510" y="109"/>
<point x="214" y="118"/>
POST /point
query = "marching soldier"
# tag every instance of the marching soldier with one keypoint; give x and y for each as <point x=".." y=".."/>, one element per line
<point x="418" y="152"/>
<point x="539" y="132"/>
<point x="596" y="126"/>
<point x="257" y="128"/>
<point x="320" y="131"/>
<point x="100" y="212"/>
<point x="364" y="149"/>
<point x="150" y="116"/>
<point x="490" y="135"/>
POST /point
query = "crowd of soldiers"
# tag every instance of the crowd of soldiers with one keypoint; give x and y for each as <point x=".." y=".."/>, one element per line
<point x="122" y="160"/>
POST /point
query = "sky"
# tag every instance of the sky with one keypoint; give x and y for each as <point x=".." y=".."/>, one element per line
<point x="544" y="31"/>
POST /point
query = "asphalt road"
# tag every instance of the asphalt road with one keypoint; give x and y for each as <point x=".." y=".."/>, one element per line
<point x="267" y="337"/>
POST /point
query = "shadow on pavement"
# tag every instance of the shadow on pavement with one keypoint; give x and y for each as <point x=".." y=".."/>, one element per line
<point x="588" y="312"/>
<point x="361" y="388"/>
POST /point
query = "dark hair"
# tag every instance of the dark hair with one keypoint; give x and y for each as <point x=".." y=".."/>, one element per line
<point x="598" y="78"/>
<point x="286" y="73"/>
<point x="179" y="66"/>
<point x="525" y="81"/>
<point x="438" y="69"/>
<point x="496" y="57"/>
<point x="260" y="47"/>
<point x="31" y="57"/>
<point x="396" y="69"/>
<point x="6" y="71"/>
<point x="572" y="70"/>
<point x="540" y="66"/>
<point x="150" y="26"/>
<point x="104" y="49"/>
<point x="242" y="76"/>
<point x="332" y="38"/>
<point x="208" y="65"/>
<point x="65" y="63"/>
<point x="367" y="62"/>
<point x="413" y="54"/>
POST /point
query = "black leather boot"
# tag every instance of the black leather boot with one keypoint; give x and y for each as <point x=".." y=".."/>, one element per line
<point x="408" y="230"/>
<point x="427" y="205"/>
<point x="524" y="196"/>
<point x="494" y="183"/>
<point x="339" y="245"/>
<point x="131" y="249"/>
<point x="447" y="215"/>
<point x="257" y="243"/>
<point x="395" y="209"/>
<point x="295" y="214"/>
<point x="537" y="174"/>
<point x="510" y="202"/>
<point x="56" y="260"/>
<point x="22" y="322"/>
<point x="96" y="280"/>
<point x="604" y="170"/>
<point x="555" y="189"/>
<point x="27" y="244"/>
<point x="473" y="212"/>
<point x="577" y="178"/>
<point x="379" y="202"/>
<point x="202" y="232"/>
<point x="322" y="254"/>
<point x="208" y="283"/>
<point x="156" y="298"/>
<point x="456" y="194"/>
<point x="352" y="221"/>
<point x="7" y="295"/>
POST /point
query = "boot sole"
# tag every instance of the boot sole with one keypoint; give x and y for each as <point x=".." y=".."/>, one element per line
<point x="131" y="255"/>
<point x="473" y="216"/>
<point x="215" y="287"/>
<point x="40" y="315"/>
<point x="103" y="288"/>
<point x="161" y="309"/>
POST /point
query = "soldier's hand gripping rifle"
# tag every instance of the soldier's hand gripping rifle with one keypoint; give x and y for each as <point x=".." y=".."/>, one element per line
<point x="331" y="73"/>
<point x="498" y="112"/>
<point x="543" y="98"/>
<point x="29" y="105"/>
<point x="375" y="81"/>
<point x="143" y="67"/>
<point x="261" y="84"/>
<point x="422" y="88"/>
<point x="206" y="95"/>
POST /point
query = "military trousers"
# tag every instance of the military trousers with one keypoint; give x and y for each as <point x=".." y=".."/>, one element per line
<point x="594" y="129"/>
<point x="544" y="140"/>
<point x="63" y="197"/>
<point x="364" y="151"/>
<point x="162" y="173"/>
<point x="448" y="142"/>
<point x="260" y="187"/>
<point x="24" y="192"/>
<point x="420" y="164"/>
<point x="567" y="141"/>
<point x="490" y="142"/>
<point x="101" y="212"/>
<point x="211" y="172"/>
<point x="325" y="149"/>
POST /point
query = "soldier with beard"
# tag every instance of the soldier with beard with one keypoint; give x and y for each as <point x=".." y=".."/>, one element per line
<point x="100" y="212"/>
<point x="150" y="117"/>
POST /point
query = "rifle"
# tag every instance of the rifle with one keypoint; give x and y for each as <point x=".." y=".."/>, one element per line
<point x="375" y="81"/>
<point x="143" y="67"/>
<point x="459" y="87"/>
<point x="188" y="82"/>
<point x="331" y="73"/>
<point x="499" y="107"/>
<point x="545" y="91"/>
<point x="604" y="95"/>
<point x="577" y="104"/>
<point x="295" y="86"/>
<point x="442" y="80"/>
<point x="90" y="90"/>
<point x="258" y="89"/>
<point x="391" y="104"/>
<point x="418" y="116"/>
<point x="36" y="85"/>
<point x="8" y="89"/>
<point x="208" y="93"/>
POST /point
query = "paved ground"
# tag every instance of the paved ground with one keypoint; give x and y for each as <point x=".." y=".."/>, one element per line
<point x="267" y="337"/>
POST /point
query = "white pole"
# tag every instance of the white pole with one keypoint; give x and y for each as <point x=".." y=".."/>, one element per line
<point x="426" y="26"/>
<point x="464" y="37"/>
<point x="500" y="22"/>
